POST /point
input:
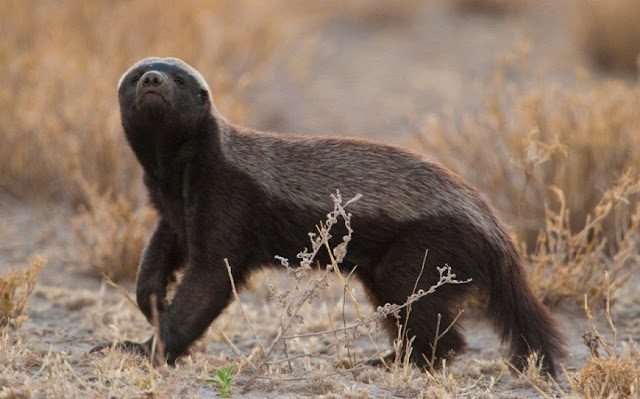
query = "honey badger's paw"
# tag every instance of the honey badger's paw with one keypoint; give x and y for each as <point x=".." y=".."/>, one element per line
<point x="143" y="348"/>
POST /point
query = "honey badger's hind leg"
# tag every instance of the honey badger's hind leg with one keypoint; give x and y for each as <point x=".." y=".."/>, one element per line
<point x="393" y="279"/>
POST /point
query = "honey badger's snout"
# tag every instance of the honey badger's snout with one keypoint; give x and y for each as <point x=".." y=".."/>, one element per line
<point x="153" y="88"/>
<point x="152" y="79"/>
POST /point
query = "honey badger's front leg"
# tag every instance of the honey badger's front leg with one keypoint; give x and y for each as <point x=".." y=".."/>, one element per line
<point x="161" y="258"/>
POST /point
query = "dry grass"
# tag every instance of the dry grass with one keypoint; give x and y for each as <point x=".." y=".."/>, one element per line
<point x="612" y="376"/>
<point x="111" y="232"/>
<point x="610" y="32"/>
<point x="565" y="265"/>
<point x="339" y="347"/>
<point x="551" y="169"/>
<point x="614" y="373"/>
<point x="15" y="288"/>
<point x="62" y="62"/>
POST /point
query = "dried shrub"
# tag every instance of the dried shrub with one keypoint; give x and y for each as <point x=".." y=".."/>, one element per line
<point x="62" y="61"/>
<point x="612" y="374"/>
<point x="112" y="232"/>
<point x="610" y="32"/>
<point x="15" y="288"/>
<point x="566" y="265"/>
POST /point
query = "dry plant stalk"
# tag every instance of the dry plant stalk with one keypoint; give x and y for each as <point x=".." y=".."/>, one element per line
<point x="237" y="297"/>
<point x="111" y="232"/>
<point x="291" y="300"/>
<point x="611" y="374"/>
<point x="121" y="290"/>
<point x="339" y="252"/>
<point x="566" y="265"/>
<point x="403" y="343"/>
<point x="157" y="347"/>
<point x="306" y="288"/>
<point x="15" y="288"/>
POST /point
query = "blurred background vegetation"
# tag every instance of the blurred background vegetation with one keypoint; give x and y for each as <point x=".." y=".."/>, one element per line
<point x="516" y="96"/>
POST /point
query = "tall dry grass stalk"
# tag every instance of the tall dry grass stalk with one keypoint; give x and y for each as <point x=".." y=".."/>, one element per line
<point x="61" y="63"/>
<point x="609" y="31"/>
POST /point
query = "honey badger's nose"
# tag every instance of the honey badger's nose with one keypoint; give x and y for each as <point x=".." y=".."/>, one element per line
<point x="152" y="79"/>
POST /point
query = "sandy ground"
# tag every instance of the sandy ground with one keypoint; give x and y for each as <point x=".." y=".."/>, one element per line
<point x="353" y="87"/>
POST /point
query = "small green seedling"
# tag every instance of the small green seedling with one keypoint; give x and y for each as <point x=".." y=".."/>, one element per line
<point x="224" y="380"/>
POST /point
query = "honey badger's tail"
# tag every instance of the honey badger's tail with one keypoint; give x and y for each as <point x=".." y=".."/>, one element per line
<point x="522" y="320"/>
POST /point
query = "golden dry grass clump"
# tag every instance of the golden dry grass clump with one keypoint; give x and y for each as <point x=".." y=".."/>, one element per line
<point x="609" y="372"/>
<point x="610" y="32"/>
<point x="567" y="265"/>
<point x="611" y="376"/>
<point x="15" y="288"/>
<point x="61" y="64"/>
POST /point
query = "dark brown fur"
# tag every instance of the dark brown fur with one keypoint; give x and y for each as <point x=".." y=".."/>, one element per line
<point x="228" y="192"/>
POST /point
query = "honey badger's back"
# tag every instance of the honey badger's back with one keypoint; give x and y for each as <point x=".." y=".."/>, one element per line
<point x="409" y="204"/>
<point x="394" y="182"/>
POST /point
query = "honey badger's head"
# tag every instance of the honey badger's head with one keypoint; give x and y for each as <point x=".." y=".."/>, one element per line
<point x="160" y="93"/>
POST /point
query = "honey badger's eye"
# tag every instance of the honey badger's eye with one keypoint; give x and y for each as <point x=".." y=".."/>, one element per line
<point x="204" y="96"/>
<point x="178" y="80"/>
<point x="135" y="79"/>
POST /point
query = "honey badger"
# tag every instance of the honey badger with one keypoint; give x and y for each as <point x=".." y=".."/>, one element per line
<point x="224" y="191"/>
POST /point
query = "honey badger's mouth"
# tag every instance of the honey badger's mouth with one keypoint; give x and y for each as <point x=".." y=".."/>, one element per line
<point x="151" y="97"/>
